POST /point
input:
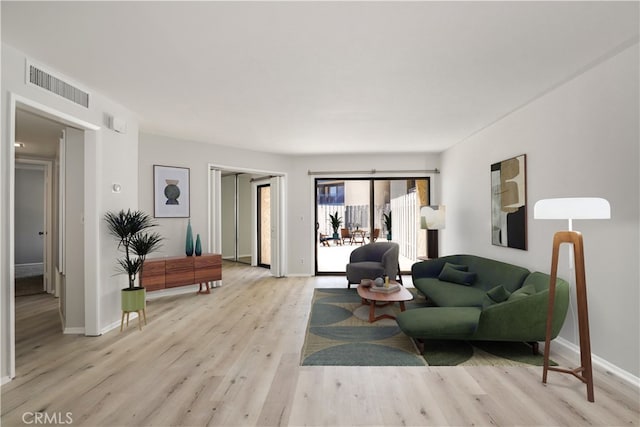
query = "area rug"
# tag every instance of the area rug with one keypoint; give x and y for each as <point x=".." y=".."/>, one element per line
<point x="339" y="334"/>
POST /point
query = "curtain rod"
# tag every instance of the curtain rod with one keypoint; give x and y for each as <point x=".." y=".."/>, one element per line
<point x="371" y="171"/>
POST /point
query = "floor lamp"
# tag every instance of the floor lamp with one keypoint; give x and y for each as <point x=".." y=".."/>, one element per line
<point x="570" y="209"/>
<point x="432" y="219"/>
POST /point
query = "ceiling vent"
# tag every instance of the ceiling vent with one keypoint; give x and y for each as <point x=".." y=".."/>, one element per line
<point x="47" y="81"/>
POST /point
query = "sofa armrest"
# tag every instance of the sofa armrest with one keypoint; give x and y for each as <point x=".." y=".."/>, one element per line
<point x="429" y="268"/>
<point x="525" y="318"/>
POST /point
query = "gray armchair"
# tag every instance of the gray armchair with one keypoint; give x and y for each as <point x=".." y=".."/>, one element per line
<point x="373" y="260"/>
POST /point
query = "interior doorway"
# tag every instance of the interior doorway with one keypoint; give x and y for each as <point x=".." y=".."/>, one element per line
<point x="84" y="306"/>
<point x="224" y="211"/>
<point x="32" y="210"/>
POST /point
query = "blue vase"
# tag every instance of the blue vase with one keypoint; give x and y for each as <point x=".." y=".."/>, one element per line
<point x="198" y="246"/>
<point x="189" y="244"/>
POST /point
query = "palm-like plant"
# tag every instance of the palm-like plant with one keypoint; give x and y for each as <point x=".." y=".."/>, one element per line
<point x="387" y="223"/>
<point x="130" y="230"/>
<point x="336" y="221"/>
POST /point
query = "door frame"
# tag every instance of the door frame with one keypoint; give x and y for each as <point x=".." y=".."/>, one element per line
<point x="214" y="210"/>
<point x="258" y="223"/>
<point x="47" y="247"/>
<point x="359" y="177"/>
<point x="92" y="140"/>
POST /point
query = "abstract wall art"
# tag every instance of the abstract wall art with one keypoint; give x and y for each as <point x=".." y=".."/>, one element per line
<point x="170" y="192"/>
<point x="509" y="203"/>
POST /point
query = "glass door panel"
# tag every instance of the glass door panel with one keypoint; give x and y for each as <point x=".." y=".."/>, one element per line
<point x="369" y="210"/>
<point x="399" y="202"/>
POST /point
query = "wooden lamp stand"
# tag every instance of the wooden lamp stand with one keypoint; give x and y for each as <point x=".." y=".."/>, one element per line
<point x="584" y="372"/>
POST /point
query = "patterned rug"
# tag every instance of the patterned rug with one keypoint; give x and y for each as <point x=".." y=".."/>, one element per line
<point x="339" y="334"/>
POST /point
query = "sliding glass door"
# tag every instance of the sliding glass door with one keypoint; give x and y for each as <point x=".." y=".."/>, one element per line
<point x="353" y="212"/>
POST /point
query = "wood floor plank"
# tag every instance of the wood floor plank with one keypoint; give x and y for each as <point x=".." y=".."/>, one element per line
<point x="233" y="358"/>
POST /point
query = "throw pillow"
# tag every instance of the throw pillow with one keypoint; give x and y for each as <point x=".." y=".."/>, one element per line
<point x="459" y="267"/>
<point x="449" y="274"/>
<point x="498" y="294"/>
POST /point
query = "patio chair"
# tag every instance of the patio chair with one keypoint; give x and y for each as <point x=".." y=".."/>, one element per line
<point x="345" y="234"/>
<point x="374" y="260"/>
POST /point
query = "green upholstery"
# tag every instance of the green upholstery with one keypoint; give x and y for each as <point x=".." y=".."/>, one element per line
<point x="444" y="322"/>
<point x="447" y="294"/>
<point x="510" y="310"/>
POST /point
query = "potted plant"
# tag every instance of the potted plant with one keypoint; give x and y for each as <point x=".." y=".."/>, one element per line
<point x="130" y="228"/>
<point x="336" y="222"/>
<point x="387" y="223"/>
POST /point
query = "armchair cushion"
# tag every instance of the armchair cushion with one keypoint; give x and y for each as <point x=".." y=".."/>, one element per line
<point x="373" y="260"/>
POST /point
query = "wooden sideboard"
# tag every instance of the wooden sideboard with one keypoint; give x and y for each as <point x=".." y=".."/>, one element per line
<point x="170" y="272"/>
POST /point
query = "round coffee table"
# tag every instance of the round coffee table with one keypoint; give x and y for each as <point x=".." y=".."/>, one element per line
<point x="381" y="299"/>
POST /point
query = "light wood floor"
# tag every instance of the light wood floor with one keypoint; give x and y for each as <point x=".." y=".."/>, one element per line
<point x="232" y="358"/>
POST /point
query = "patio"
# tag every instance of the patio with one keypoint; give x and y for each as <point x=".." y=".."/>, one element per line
<point x="334" y="258"/>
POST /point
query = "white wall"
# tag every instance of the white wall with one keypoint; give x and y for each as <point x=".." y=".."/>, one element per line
<point x="581" y="139"/>
<point x="109" y="157"/>
<point x="161" y="150"/>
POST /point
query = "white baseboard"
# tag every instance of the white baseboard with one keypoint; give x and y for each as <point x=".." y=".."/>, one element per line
<point x="77" y="330"/>
<point x="569" y="350"/>
<point x="299" y="275"/>
<point x="5" y="380"/>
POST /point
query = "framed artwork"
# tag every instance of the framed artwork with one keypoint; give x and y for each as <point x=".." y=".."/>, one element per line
<point x="171" y="192"/>
<point x="509" y="203"/>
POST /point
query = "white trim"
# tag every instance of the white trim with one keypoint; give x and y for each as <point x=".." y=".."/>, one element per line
<point x="73" y="331"/>
<point x="91" y="232"/>
<point x="5" y="380"/>
<point x="569" y="350"/>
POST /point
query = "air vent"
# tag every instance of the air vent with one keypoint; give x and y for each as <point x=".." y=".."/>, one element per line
<point x="37" y="76"/>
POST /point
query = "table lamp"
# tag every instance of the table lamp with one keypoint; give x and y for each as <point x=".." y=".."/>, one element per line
<point x="570" y="209"/>
<point x="432" y="220"/>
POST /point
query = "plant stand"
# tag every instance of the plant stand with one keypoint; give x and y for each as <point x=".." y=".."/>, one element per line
<point x="133" y="301"/>
<point x="141" y="314"/>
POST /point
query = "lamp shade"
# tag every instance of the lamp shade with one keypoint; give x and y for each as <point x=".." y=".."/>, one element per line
<point x="572" y="208"/>
<point x="432" y="217"/>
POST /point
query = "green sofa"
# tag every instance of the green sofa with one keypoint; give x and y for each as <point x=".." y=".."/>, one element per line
<point x="478" y="298"/>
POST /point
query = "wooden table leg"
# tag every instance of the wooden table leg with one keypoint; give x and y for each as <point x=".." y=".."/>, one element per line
<point x="402" y="306"/>
<point x="206" y="291"/>
<point x="122" y="321"/>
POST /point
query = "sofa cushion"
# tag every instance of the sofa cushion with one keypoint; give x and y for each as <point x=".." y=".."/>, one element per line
<point x="498" y="294"/>
<point x="446" y="294"/>
<point x="456" y="266"/>
<point x="495" y="295"/>
<point x="489" y="272"/>
<point x="450" y="274"/>
<point x="439" y="322"/>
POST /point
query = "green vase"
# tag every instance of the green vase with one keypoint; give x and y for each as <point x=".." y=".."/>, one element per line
<point x="189" y="244"/>
<point x="198" y="245"/>
<point x="133" y="300"/>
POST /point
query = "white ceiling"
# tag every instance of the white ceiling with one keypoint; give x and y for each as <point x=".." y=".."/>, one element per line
<point x="320" y="77"/>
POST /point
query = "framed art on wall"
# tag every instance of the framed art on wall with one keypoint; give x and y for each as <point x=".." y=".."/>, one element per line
<point x="171" y="192"/>
<point x="509" y="203"/>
